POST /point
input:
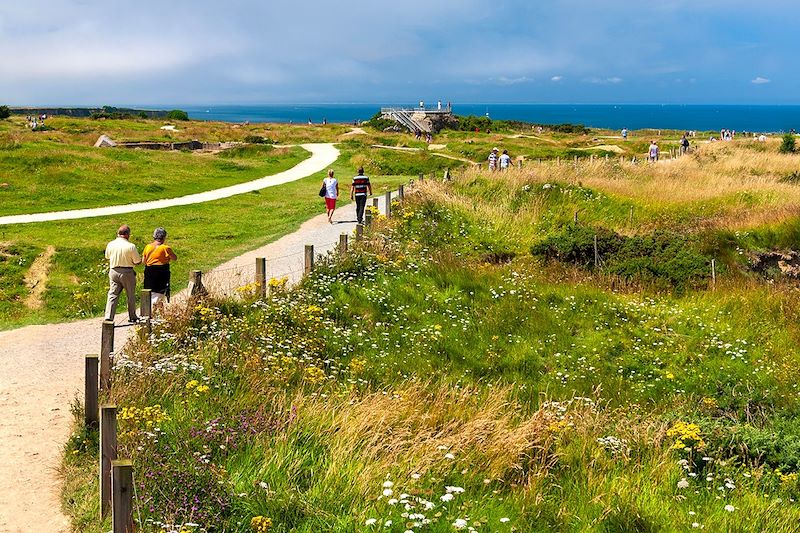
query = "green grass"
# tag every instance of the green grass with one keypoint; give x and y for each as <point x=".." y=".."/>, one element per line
<point x="48" y="176"/>
<point x="543" y="399"/>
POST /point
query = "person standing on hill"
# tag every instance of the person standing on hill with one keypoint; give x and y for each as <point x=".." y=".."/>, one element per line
<point x="624" y="134"/>
<point x="505" y="160"/>
<point x="331" y="185"/>
<point x="493" y="159"/>
<point x="652" y="153"/>
<point x="122" y="256"/>
<point x="359" y="190"/>
<point x="157" y="256"/>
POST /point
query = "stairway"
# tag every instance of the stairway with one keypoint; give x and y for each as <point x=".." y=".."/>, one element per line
<point x="404" y="117"/>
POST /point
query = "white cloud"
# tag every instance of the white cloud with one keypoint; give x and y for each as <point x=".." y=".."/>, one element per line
<point x="613" y="80"/>
<point x="760" y="81"/>
<point x="557" y="78"/>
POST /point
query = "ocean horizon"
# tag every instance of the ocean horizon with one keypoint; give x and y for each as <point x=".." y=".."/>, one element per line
<point x="750" y="118"/>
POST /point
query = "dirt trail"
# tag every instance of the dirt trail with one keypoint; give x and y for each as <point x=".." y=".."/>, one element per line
<point x="41" y="372"/>
<point x="36" y="278"/>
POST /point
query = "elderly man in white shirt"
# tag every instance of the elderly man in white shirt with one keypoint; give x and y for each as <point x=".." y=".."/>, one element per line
<point x="122" y="256"/>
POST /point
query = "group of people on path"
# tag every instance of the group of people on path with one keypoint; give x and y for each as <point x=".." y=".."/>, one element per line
<point x="360" y="189"/>
<point x="123" y="256"/>
<point x="501" y="162"/>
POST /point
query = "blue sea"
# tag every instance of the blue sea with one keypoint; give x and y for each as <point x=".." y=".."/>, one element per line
<point x="752" y="118"/>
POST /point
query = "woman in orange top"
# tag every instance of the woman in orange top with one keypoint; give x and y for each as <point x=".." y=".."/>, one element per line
<point x="156" y="257"/>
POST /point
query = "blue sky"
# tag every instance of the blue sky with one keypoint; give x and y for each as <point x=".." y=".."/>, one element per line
<point x="259" y="51"/>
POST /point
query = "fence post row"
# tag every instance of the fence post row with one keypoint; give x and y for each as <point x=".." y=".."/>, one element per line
<point x="106" y="347"/>
<point x="122" y="496"/>
<point x="343" y="243"/>
<point x="146" y="303"/>
<point x="90" y="391"/>
<point x="261" y="276"/>
<point x="108" y="453"/>
<point x="309" y="266"/>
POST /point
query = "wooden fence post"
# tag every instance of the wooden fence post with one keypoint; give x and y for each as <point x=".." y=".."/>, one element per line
<point x="376" y="203"/>
<point x="519" y="164"/>
<point x="261" y="276"/>
<point x="421" y="176"/>
<point x="714" y="274"/>
<point x="91" y="385"/>
<point x="388" y="201"/>
<point x="447" y="174"/>
<point x="367" y="217"/>
<point x="106" y="347"/>
<point x="122" y="496"/>
<point x="108" y="453"/>
<point x="359" y="232"/>
<point x="146" y="304"/>
<point x="196" y="284"/>
<point x="401" y="192"/>
<point x="309" y="266"/>
<point x="343" y="243"/>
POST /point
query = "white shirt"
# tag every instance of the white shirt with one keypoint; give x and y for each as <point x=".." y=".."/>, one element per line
<point x="122" y="253"/>
<point x="505" y="160"/>
<point x="330" y="187"/>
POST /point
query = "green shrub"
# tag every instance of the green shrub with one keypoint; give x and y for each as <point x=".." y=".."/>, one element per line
<point x="5" y="112"/>
<point x="788" y="145"/>
<point x="663" y="258"/>
<point x="178" y="114"/>
<point x="256" y="139"/>
<point x="380" y="123"/>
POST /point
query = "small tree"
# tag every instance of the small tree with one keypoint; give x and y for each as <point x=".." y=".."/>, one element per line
<point x="178" y="114"/>
<point x="788" y="145"/>
<point x="5" y="112"/>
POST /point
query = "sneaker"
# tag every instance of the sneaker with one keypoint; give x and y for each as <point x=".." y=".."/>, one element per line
<point x="136" y="320"/>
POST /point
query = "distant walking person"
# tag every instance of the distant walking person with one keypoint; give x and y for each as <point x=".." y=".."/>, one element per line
<point x="652" y="153"/>
<point x="359" y="191"/>
<point x="122" y="256"/>
<point x="331" y="185"/>
<point x="493" y="159"/>
<point x="505" y="160"/>
<point x="684" y="145"/>
<point x="624" y="134"/>
<point x="157" y="256"/>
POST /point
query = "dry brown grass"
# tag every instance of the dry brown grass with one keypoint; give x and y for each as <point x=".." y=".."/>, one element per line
<point x="733" y="186"/>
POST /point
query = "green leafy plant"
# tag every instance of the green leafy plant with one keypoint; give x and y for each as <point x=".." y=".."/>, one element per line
<point x="788" y="146"/>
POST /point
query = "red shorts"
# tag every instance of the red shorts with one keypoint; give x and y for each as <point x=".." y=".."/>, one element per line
<point x="330" y="203"/>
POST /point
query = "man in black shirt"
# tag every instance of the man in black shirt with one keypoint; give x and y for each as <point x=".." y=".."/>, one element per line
<point x="359" y="190"/>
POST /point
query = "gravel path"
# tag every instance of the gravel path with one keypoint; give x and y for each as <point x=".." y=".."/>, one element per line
<point x="323" y="155"/>
<point x="41" y="372"/>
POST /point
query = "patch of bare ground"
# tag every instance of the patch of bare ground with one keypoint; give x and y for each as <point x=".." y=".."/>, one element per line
<point x="36" y="278"/>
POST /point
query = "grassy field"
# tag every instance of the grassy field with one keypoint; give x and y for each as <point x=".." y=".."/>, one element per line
<point x="203" y="235"/>
<point x="476" y="365"/>
<point x="48" y="176"/>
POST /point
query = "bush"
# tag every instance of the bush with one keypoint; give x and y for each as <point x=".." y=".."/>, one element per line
<point x="380" y="123"/>
<point x="258" y="139"/>
<point x="788" y="145"/>
<point x="5" y="112"/>
<point x="178" y="114"/>
<point x="664" y="258"/>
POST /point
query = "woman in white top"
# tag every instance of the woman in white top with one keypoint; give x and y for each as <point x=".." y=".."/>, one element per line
<point x="331" y="185"/>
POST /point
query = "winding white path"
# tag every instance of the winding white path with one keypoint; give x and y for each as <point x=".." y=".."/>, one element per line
<point x="322" y="156"/>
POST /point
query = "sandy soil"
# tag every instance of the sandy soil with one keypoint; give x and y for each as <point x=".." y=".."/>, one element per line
<point x="41" y="372"/>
